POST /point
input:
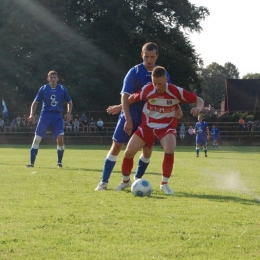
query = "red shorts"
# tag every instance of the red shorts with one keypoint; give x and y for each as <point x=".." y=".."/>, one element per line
<point x="149" y="135"/>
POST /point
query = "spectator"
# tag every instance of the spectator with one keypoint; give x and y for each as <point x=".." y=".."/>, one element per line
<point x="92" y="126"/>
<point x="18" y="121"/>
<point x="13" y="125"/>
<point x="85" y="126"/>
<point x="1" y="124"/>
<point x="100" y="124"/>
<point x="190" y="134"/>
<point x="83" y="117"/>
<point x="76" y="125"/>
<point x="182" y="132"/>
<point x="241" y="123"/>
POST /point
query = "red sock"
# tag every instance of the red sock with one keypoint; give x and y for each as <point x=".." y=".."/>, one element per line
<point x="167" y="165"/>
<point x="127" y="166"/>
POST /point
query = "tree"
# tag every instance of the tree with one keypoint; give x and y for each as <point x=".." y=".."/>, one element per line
<point x="252" y="76"/>
<point x="92" y="46"/>
<point x="213" y="81"/>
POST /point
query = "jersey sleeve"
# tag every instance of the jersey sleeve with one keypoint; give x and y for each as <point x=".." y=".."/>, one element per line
<point x="129" y="80"/>
<point x="39" y="95"/>
<point x="186" y="96"/>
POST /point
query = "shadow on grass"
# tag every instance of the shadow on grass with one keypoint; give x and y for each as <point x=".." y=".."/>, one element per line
<point x="219" y="198"/>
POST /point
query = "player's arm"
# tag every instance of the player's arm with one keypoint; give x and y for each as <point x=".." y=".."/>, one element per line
<point x="69" y="110"/>
<point x="128" y="127"/>
<point x="114" y="109"/>
<point x="199" y="106"/>
<point x="208" y="133"/>
<point x="32" y="111"/>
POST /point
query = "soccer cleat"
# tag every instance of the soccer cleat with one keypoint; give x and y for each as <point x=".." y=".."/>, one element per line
<point x="101" y="186"/>
<point x="124" y="185"/>
<point x="59" y="165"/>
<point x="206" y="155"/>
<point x="197" y="156"/>
<point x="166" y="189"/>
<point x="29" y="165"/>
<point x="136" y="178"/>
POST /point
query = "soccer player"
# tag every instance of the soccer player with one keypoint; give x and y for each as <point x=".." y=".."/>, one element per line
<point x="158" y="121"/>
<point x="52" y="96"/>
<point x="130" y="116"/>
<point x="202" y="135"/>
<point x="215" y="134"/>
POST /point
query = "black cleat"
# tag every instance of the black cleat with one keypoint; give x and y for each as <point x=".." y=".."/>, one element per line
<point x="29" y="165"/>
<point x="206" y="155"/>
<point x="59" y="165"/>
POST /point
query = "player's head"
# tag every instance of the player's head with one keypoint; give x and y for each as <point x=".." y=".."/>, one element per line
<point x="159" y="79"/>
<point x="52" y="77"/>
<point x="149" y="54"/>
<point x="200" y="118"/>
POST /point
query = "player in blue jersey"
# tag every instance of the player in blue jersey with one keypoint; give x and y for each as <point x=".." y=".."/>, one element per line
<point x="215" y="135"/>
<point x="130" y="116"/>
<point x="202" y="135"/>
<point x="52" y="96"/>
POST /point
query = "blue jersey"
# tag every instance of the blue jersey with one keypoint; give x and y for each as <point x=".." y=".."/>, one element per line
<point x="135" y="79"/>
<point x="201" y="132"/>
<point x="214" y="132"/>
<point x="52" y="98"/>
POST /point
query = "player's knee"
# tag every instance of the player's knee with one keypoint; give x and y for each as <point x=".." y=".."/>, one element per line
<point x="36" y="141"/>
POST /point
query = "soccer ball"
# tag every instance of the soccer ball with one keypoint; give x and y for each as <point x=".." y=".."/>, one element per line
<point x="141" y="188"/>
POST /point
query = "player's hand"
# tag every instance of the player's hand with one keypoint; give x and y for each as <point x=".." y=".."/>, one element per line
<point x="30" y="118"/>
<point x="195" y="111"/>
<point x="128" y="127"/>
<point x="114" y="110"/>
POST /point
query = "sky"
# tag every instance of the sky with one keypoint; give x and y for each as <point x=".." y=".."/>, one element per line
<point x="231" y="33"/>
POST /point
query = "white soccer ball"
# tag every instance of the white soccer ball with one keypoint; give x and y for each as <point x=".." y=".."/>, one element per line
<point x="141" y="188"/>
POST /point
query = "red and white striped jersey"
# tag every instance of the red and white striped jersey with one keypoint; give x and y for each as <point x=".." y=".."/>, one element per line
<point x="159" y="109"/>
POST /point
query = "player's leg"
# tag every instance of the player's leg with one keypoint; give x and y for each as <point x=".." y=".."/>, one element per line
<point x="143" y="162"/>
<point x="60" y="149"/>
<point x="205" y="148"/>
<point x="119" y="138"/>
<point x="58" y="134"/>
<point x="40" y="132"/>
<point x="197" y="146"/>
<point x="133" y="146"/>
<point x="168" y="143"/>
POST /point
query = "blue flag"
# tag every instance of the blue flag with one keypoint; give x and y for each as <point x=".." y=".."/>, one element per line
<point x="4" y="108"/>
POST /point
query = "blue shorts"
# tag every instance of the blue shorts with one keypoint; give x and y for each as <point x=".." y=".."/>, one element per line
<point x="215" y="138"/>
<point x="50" y="121"/>
<point x="201" y="140"/>
<point x="120" y="135"/>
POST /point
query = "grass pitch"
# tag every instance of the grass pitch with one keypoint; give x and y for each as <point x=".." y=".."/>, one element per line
<point x="50" y="213"/>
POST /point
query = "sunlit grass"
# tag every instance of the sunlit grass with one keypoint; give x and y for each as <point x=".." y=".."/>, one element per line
<point x="50" y="213"/>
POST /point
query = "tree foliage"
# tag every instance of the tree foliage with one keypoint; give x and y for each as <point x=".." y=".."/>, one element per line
<point x="213" y="81"/>
<point x="92" y="44"/>
<point x="252" y="76"/>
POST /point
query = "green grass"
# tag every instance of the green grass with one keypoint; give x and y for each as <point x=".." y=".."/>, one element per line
<point x="49" y="213"/>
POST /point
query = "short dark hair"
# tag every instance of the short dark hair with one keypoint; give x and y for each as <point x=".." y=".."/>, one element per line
<point x="158" y="72"/>
<point x="150" y="46"/>
<point x="52" y="72"/>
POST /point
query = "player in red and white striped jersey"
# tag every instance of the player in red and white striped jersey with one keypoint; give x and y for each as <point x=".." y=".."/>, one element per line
<point x="158" y="121"/>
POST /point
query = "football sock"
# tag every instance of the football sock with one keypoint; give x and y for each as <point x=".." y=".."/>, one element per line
<point x="60" y="152"/>
<point x="127" y="166"/>
<point x="167" y="165"/>
<point x="109" y="164"/>
<point x="164" y="180"/>
<point x="142" y="166"/>
<point x="33" y="154"/>
<point x="197" y="151"/>
<point x="205" y="151"/>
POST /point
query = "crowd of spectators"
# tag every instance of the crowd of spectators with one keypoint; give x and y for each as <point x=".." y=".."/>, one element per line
<point x="76" y="124"/>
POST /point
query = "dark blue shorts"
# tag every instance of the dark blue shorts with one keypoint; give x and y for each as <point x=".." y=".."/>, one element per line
<point x="52" y="122"/>
<point x="120" y="135"/>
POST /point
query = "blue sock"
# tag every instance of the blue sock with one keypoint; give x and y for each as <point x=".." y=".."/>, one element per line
<point x="33" y="154"/>
<point x="142" y="166"/>
<point x="60" y="155"/>
<point x="109" y="164"/>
